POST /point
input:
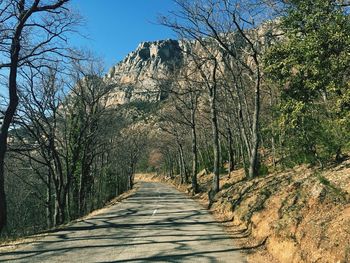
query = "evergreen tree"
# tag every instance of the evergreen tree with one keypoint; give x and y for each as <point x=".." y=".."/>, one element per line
<point x="310" y="65"/>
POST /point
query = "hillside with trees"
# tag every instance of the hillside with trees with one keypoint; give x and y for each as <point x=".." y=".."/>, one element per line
<point x="249" y="110"/>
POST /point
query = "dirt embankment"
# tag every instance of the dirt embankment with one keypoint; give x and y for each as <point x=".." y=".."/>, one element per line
<point x="299" y="215"/>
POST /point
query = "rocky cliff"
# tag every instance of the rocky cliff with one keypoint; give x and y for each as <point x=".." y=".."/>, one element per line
<point x="139" y="76"/>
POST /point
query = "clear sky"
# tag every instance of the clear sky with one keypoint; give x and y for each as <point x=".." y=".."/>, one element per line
<point x="116" y="27"/>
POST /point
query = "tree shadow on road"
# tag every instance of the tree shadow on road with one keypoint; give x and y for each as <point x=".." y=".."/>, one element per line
<point x="171" y="234"/>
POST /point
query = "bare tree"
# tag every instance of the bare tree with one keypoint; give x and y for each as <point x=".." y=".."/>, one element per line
<point x="185" y="93"/>
<point x="85" y="109"/>
<point x="231" y="26"/>
<point x="171" y="122"/>
<point x="31" y="33"/>
<point x="36" y="133"/>
<point x="61" y="134"/>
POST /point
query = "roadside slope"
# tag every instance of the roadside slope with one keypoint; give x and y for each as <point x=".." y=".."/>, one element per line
<point x="303" y="214"/>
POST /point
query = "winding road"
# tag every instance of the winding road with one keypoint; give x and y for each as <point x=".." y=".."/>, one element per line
<point x="156" y="224"/>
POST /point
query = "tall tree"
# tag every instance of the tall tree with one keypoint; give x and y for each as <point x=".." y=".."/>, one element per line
<point x="229" y="37"/>
<point x="30" y="31"/>
<point x="309" y="64"/>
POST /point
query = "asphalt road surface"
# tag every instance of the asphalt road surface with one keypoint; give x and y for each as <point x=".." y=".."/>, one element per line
<point x="156" y="224"/>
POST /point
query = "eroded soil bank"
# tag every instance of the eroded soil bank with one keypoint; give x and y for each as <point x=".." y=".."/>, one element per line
<point x="299" y="215"/>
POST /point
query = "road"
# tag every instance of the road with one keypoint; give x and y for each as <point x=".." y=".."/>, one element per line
<point x="156" y="224"/>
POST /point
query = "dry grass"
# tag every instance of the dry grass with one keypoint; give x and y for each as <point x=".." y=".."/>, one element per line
<point x="304" y="213"/>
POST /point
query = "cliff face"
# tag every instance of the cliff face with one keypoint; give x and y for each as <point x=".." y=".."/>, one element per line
<point x="139" y="76"/>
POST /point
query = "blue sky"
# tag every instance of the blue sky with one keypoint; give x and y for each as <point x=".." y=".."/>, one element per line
<point x="116" y="27"/>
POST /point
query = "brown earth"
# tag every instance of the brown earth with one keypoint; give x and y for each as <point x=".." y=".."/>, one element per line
<point x="298" y="215"/>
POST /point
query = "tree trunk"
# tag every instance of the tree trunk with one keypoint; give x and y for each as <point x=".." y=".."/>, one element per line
<point x="3" y="206"/>
<point x="81" y="193"/>
<point x="254" y="159"/>
<point x="59" y="209"/>
<point x="183" y="164"/>
<point x="170" y="165"/>
<point x="244" y="132"/>
<point x="181" y="170"/>
<point x="49" y="201"/>
<point x="118" y="187"/>
<point x="194" y="154"/>
<point x="68" y="204"/>
<point x="131" y="176"/>
<point x="244" y="159"/>
<point x="231" y="161"/>
<point x="216" y="148"/>
<point x="8" y="117"/>
<point x="273" y="143"/>
<point x="60" y="202"/>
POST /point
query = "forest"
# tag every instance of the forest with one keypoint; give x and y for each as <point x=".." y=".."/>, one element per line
<point x="60" y="143"/>
<point x="254" y="92"/>
<point x="262" y="86"/>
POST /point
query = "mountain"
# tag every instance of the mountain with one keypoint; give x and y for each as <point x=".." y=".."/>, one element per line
<point x="139" y="76"/>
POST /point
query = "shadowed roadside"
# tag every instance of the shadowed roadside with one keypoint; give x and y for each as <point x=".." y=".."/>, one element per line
<point x="157" y="223"/>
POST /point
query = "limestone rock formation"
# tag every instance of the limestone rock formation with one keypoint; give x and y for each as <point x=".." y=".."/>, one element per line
<point x="142" y="75"/>
<point x="139" y="76"/>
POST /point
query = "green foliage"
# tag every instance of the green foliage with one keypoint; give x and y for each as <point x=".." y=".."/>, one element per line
<point x="336" y="193"/>
<point x="310" y="66"/>
<point x="207" y="162"/>
<point x="263" y="169"/>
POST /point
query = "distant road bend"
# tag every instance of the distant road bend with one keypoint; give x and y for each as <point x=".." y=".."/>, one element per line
<point x="156" y="224"/>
